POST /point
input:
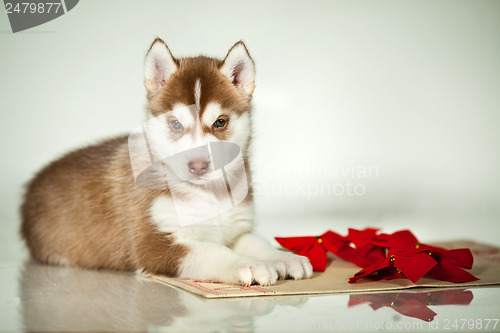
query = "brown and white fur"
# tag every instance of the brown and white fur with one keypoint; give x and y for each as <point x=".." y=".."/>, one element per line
<point x="85" y="208"/>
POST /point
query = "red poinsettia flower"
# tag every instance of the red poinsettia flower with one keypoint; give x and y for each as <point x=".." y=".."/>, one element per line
<point x="367" y="250"/>
<point x="315" y="247"/>
<point x="356" y="247"/>
<point x="400" y="263"/>
<point x="408" y="258"/>
<point x="404" y="257"/>
<point x="403" y="239"/>
<point x="340" y="246"/>
<point x="392" y="256"/>
<point x="451" y="264"/>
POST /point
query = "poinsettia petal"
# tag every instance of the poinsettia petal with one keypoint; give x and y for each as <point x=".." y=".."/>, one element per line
<point x="372" y="253"/>
<point x="399" y="239"/>
<point x="345" y="252"/>
<point x="459" y="257"/>
<point x="362" y="237"/>
<point x="304" y="251"/>
<point x="349" y="254"/>
<point x="317" y="257"/>
<point x="341" y="247"/>
<point x="416" y="266"/>
<point x="404" y="236"/>
<point x="390" y="273"/>
<point x="333" y="240"/>
<point x="451" y="273"/>
<point x="295" y="244"/>
<point x="306" y="246"/>
<point x="370" y="269"/>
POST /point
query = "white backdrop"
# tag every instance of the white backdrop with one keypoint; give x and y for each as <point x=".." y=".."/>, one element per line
<point x="381" y="113"/>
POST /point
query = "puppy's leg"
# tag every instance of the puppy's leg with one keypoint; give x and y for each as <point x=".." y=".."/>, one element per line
<point x="207" y="261"/>
<point x="287" y="264"/>
<point x="157" y="252"/>
<point x="161" y="253"/>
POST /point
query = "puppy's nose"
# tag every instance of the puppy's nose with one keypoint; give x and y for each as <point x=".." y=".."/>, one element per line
<point x="198" y="167"/>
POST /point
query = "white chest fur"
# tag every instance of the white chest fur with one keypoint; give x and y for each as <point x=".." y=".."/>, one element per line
<point x="222" y="229"/>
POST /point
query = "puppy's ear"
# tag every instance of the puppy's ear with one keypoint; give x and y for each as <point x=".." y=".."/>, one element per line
<point x="239" y="68"/>
<point x="159" y="65"/>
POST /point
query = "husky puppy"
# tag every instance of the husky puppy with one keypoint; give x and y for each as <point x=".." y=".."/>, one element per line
<point x="86" y="209"/>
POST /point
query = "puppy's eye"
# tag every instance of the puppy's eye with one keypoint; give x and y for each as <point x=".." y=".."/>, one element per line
<point x="220" y="123"/>
<point x="175" y="124"/>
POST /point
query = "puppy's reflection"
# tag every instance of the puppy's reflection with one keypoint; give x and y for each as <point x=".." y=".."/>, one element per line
<point x="72" y="299"/>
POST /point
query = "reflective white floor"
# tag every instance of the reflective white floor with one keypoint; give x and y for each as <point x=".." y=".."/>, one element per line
<point x="50" y="298"/>
<point x="35" y="297"/>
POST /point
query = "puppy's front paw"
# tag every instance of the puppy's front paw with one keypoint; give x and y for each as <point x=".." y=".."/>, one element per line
<point x="292" y="265"/>
<point x="258" y="272"/>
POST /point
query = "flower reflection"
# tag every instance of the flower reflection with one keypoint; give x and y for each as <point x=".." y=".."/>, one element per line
<point x="414" y="304"/>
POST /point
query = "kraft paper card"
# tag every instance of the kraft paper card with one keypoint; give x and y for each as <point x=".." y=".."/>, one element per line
<point x="334" y="279"/>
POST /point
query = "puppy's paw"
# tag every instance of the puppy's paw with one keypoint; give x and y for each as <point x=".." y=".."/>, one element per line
<point x="291" y="265"/>
<point x="257" y="272"/>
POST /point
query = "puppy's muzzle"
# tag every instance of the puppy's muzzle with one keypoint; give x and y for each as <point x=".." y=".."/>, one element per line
<point x="198" y="167"/>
